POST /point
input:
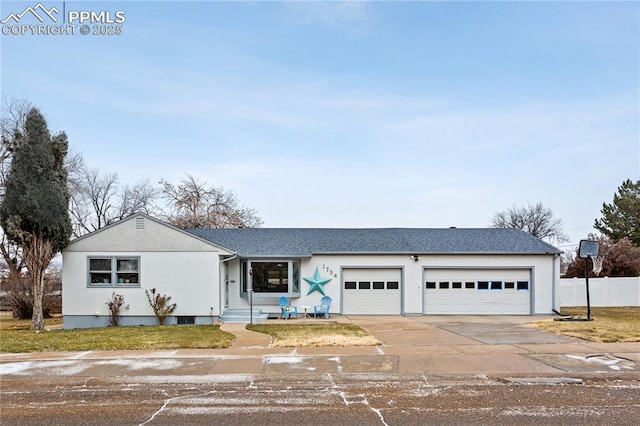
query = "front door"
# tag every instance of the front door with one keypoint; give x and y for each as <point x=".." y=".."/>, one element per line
<point x="226" y="285"/>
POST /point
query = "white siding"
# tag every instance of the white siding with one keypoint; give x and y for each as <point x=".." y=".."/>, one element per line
<point x="154" y="236"/>
<point x="543" y="275"/>
<point x="190" y="278"/>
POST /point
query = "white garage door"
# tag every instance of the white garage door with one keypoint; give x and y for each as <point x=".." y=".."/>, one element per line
<point x="371" y="291"/>
<point x="477" y="291"/>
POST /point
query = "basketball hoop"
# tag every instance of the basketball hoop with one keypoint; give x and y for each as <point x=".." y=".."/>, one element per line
<point x="589" y="249"/>
<point x="597" y="264"/>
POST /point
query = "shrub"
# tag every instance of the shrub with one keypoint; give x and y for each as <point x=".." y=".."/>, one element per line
<point x="20" y="299"/>
<point x="116" y="304"/>
<point x="160" y="304"/>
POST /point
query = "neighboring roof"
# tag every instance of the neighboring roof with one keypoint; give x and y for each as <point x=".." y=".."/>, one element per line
<point x="304" y="242"/>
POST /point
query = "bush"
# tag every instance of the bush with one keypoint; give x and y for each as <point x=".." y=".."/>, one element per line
<point x="20" y="300"/>
<point x="160" y="304"/>
<point x="116" y="304"/>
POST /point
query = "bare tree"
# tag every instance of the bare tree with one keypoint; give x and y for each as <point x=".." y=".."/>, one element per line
<point x="138" y="198"/>
<point x="19" y="295"/>
<point x="98" y="200"/>
<point x="566" y="259"/>
<point x="92" y="204"/>
<point x="536" y="219"/>
<point x="193" y="204"/>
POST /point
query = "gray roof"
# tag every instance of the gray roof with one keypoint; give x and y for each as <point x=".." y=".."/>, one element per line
<point x="304" y="242"/>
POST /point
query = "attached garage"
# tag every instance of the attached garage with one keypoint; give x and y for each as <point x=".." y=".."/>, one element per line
<point x="367" y="291"/>
<point x="478" y="291"/>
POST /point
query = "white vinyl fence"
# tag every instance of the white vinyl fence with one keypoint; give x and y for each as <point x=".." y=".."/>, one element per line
<point x="618" y="291"/>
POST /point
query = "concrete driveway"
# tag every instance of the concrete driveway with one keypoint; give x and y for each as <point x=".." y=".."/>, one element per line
<point x="493" y="345"/>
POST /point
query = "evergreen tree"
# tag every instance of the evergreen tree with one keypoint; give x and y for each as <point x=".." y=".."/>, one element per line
<point x="622" y="217"/>
<point x="34" y="211"/>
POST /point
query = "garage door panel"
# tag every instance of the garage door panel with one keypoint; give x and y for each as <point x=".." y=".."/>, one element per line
<point x="484" y="291"/>
<point x="371" y="291"/>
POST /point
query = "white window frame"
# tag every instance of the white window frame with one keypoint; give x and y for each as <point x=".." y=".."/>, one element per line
<point x="292" y="282"/>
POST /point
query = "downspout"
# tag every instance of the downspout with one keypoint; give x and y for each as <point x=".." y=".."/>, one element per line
<point x="554" y="284"/>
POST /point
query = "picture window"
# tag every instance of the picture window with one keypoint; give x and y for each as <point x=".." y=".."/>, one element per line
<point x="276" y="277"/>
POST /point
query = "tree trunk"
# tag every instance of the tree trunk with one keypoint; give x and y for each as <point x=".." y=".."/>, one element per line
<point x="37" y="253"/>
<point x="37" y="289"/>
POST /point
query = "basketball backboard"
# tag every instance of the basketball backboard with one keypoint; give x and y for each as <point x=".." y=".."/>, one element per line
<point x="588" y="248"/>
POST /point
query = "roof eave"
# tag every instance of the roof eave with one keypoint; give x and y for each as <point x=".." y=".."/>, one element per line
<point x="387" y="253"/>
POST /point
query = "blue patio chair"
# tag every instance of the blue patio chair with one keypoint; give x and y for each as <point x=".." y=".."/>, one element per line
<point x="323" y="308"/>
<point x="287" y="309"/>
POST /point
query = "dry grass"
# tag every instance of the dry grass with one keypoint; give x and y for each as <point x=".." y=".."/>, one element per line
<point x="7" y="322"/>
<point x="608" y="325"/>
<point x="115" y="338"/>
<point x="314" y="335"/>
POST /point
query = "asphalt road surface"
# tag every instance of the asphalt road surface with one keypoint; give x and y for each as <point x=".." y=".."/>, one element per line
<point x="313" y="399"/>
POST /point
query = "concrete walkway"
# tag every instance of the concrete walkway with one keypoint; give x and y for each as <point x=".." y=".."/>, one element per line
<point x="245" y="339"/>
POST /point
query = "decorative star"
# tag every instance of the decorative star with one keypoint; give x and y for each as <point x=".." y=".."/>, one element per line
<point x="316" y="283"/>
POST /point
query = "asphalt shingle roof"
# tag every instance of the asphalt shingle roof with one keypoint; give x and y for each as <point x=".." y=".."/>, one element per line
<point x="302" y="242"/>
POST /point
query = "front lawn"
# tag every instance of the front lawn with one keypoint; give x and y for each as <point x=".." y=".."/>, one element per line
<point x="7" y="322"/>
<point x="608" y="325"/>
<point x="325" y="334"/>
<point x="115" y="338"/>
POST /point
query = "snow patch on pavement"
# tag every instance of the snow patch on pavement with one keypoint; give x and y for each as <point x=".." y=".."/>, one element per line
<point x="139" y="364"/>
<point x="554" y="411"/>
<point x="283" y="360"/>
<point x="55" y="368"/>
<point x="606" y="360"/>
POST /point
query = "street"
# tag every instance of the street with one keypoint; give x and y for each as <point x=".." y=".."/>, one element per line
<point x="318" y="399"/>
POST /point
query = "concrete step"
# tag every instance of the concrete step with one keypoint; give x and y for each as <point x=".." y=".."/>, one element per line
<point x="243" y="315"/>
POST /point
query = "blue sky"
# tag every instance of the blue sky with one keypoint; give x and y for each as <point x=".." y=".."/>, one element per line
<point x="353" y="114"/>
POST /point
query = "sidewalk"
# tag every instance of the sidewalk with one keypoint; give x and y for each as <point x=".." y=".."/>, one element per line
<point x="456" y="346"/>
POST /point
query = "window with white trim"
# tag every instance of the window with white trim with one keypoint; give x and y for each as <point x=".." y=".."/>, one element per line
<point x="271" y="277"/>
<point x="114" y="271"/>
